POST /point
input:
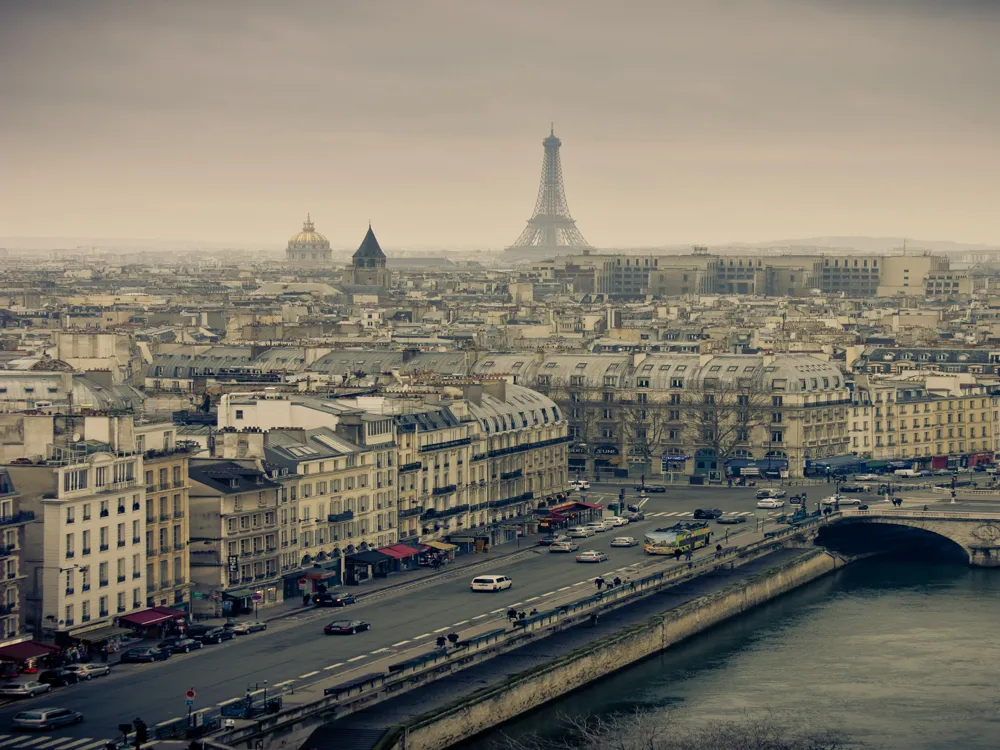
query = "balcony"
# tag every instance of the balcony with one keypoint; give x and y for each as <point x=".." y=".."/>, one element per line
<point x="118" y="486"/>
<point x="446" y="490"/>
<point x="164" y="516"/>
<point x="180" y="580"/>
<point x="103" y="548"/>
<point x="7" y="549"/>
<point x="164" y="486"/>
<point x="446" y="513"/>
<point x="121" y="579"/>
<point x="413" y="466"/>
<point x="445" y="445"/>
<point x="166" y="584"/>
<point x="179" y="546"/>
<point x="410" y="512"/>
<point x="516" y="474"/>
<point x="150" y="586"/>
<point x="86" y="551"/>
<point x="19" y="517"/>
<point x="150" y="519"/>
<point x="104" y="582"/>
<point x="511" y="500"/>
<point x="178" y="514"/>
<point x="347" y="515"/>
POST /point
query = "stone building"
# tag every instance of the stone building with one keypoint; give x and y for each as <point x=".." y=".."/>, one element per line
<point x="368" y="264"/>
<point x="308" y="246"/>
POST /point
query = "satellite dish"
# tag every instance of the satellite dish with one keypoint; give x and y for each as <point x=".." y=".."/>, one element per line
<point x="77" y="437"/>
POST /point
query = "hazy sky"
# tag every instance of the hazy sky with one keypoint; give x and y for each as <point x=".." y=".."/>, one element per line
<point x="687" y="121"/>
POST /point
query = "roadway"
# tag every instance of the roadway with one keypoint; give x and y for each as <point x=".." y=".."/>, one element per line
<point x="294" y="652"/>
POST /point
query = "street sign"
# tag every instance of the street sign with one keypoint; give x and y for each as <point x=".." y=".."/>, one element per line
<point x="256" y="596"/>
<point x="303" y="581"/>
<point x="190" y="693"/>
<point x="190" y="702"/>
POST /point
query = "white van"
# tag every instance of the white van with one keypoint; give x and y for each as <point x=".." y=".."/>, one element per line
<point x="906" y="473"/>
<point x="491" y="583"/>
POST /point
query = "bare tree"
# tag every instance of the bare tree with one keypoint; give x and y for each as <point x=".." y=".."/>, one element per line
<point x="581" y="405"/>
<point x="722" y="413"/>
<point x="661" y="731"/>
<point x="644" y="428"/>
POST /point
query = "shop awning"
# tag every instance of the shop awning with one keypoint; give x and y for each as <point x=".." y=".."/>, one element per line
<point x="398" y="551"/>
<point x="151" y="617"/>
<point x="26" y="650"/>
<point x="444" y="546"/>
<point x="320" y="575"/>
<point x="102" y="634"/>
<point x="371" y="557"/>
<point x="238" y="594"/>
<point x="592" y="506"/>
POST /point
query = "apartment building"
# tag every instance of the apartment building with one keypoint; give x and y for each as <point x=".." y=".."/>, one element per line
<point x="12" y="523"/>
<point x="235" y="553"/>
<point x="84" y="553"/>
<point x="167" y="531"/>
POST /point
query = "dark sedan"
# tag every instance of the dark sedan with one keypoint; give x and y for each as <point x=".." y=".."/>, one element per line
<point x="181" y="645"/>
<point x="145" y="655"/>
<point x="731" y="519"/>
<point x="651" y="488"/>
<point x="59" y="677"/>
<point x="708" y="513"/>
<point x="208" y="634"/>
<point x="347" y="627"/>
<point x="334" y="600"/>
<point x="635" y="516"/>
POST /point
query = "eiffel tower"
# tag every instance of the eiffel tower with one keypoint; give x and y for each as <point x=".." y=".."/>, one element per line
<point x="551" y="230"/>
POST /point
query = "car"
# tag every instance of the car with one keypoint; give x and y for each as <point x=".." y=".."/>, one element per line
<point x="567" y="546"/>
<point x="731" y="519"/>
<point x="209" y="634"/>
<point x="334" y="600"/>
<point x="90" y="671"/>
<point x="650" y="488"/>
<point x="591" y="556"/>
<point x="346" y="627"/>
<point x="59" y="677"/>
<point x="182" y="645"/>
<point x="848" y="487"/>
<point x="770" y="502"/>
<point x="46" y="718"/>
<point x="145" y="655"/>
<point x="707" y="513"/>
<point x="624" y="541"/>
<point x="580" y="532"/>
<point x="849" y="501"/>
<point x="247" y="627"/>
<point x="769" y="492"/>
<point x="548" y="540"/>
<point x="615" y="521"/>
<point x="867" y="477"/>
<point x="491" y="583"/>
<point x="28" y="689"/>
<point x="635" y="516"/>
<point x="599" y="526"/>
<point x="580" y="484"/>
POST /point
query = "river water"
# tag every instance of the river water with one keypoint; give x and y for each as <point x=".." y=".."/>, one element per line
<point x="902" y="654"/>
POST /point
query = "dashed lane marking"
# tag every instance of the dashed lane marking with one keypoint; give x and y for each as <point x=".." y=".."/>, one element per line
<point x="401" y="643"/>
<point x="460" y="622"/>
<point x="580" y="583"/>
<point x="425" y="635"/>
<point x="534" y="598"/>
<point x="308" y="674"/>
<point x="564" y="588"/>
<point x="380" y="651"/>
<point x="516" y="604"/>
<point x="358" y="658"/>
<point x="498" y="611"/>
<point x="333" y="666"/>
<point x="479" y="617"/>
<point x="286" y="682"/>
<point x="226" y="703"/>
<point x="548" y="593"/>
<point x="441" y="630"/>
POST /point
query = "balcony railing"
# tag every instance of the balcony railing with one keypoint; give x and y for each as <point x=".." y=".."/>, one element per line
<point x="410" y="512"/>
<point x="347" y="515"/>
<point x="445" y="445"/>
<point x="178" y="514"/>
<point x="413" y="466"/>
<point x="103" y="548"/>
<point x="121" y="579"/>
<point x="178" y="546"/>
<point x="511" y="500"/>
<point x="104" y="582"/>
<point x="164" y="516"/>
<point x="446" y="490"/>
<point x="516" y="474"/>
<point x="86" y="551"/>
<point x="19" y="517"/>
<point x="7" y="549"/>
<point x="446" y="513"/>
<point x="166" y="584"/>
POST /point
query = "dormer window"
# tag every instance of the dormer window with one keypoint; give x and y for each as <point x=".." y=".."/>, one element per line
<point x="234" y="483"/>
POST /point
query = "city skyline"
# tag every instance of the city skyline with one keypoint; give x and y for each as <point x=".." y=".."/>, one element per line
<point x="729" y="123"/>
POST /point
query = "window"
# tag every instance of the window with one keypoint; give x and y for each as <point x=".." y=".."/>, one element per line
<point x="239" y="414"/>
<point x="777" y="436"/>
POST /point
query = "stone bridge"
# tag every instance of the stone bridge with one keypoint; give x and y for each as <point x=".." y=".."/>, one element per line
<point x="978" y="534"/>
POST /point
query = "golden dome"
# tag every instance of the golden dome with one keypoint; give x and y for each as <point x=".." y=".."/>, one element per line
<point x="309" y="237"/>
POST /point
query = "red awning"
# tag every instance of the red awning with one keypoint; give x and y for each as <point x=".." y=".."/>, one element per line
<point x="593" y="506"/>
<point x="399" y="551"/>
<point x="152" y="616"/>
<point x="26" y="650"/>
<point x="320" y="575"/>
<point x="554" y="517"/>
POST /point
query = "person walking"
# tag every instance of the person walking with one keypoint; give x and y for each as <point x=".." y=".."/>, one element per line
<point x="618" y="581"/>
<point x="599" y="582"/>
<point x="512" y="614"/>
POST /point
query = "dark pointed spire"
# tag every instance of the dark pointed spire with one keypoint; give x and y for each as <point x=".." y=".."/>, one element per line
<point x="369" y="246"/>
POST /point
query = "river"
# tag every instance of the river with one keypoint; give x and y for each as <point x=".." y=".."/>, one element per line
<point x="901" y="654"/>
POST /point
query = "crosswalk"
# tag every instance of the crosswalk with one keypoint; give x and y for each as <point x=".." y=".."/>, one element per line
<point x="48" y="742"/>
<point x="689" y="514"/>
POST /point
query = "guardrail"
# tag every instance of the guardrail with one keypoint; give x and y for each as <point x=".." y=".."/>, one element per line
<point x="918" y="514"/>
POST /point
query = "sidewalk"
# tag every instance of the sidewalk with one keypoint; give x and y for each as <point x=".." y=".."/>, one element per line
<point x="293" y="607"/>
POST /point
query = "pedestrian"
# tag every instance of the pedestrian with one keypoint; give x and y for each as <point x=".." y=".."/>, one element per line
<point x="677" y="554"/>
<point x="689" y="555"/>
<point x="727" y="535"/>
<point x="533" y="612"/>
<point x="593" y="620"/>
<point x="305" y="600"/>
<point x="630" y="582"/>
<point x="618" y="581"/>
<point x="453" y="638"/>
<point x="521" y="616"/>
<point x="599" y="582"/>
<point x="442" y="642"/>
<point x="512" y="614"/>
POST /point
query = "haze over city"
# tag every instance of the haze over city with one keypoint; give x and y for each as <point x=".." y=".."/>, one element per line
<point x="706" y="122"/>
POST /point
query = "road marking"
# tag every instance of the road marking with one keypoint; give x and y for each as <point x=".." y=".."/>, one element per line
<point x="286" y="682"/>
<point x="581" y="583"/>
<point x="425" y="635"/>
<point x="516" y="604"/>
<point x="379" y="651"/>
<point x="34" y="742"/>
<point x="308" y="674"/>
<point x="547" y="593"/>
<point x="479" y="617"/>
<point x="13" y="740"/>
<point x="93" y="745"/>
<point x="401" y="643"/>
<point x="498" y="611"/>
<point x="50" y="743"/>
<point x="460" y="622"/>
<point x="535" y="597"/>
<point x="226" y="703"/>
<point x="564" y="588"/>
<point x="358" y="658"/>
<point x="333" y="666"/>
<point x="441" y="630"/>
<point x="77" y="742"/>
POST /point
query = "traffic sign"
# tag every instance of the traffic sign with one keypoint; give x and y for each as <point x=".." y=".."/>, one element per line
<point x="190" y="701"/>
<point x="256" y="596"/>
<point x="190" y="693"/>
<point x="303" y="581"/>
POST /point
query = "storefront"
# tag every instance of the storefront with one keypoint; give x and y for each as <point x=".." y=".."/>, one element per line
<point x="467" y="544"/>
<point x="362" y="566"/>
<point x="674" y="464"/>
<point x="29" y="656"/>
<point x="107" y="640"/>
<point x="834" y="465"/>
<point x="437" y="553"/>
<point x="974" y="459"/>
<point x="157" y="622"/>
<point x="404" y="557"/>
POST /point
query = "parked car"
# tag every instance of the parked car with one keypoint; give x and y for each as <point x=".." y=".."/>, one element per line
<point x="182" y="645"/>
<point x="145" y="655"/>
<point x="567" y="546"/>
<point x="579" y="484"/>
<point x="547" y="540"/>
<point x="249" y="626"/>
<point x="591" y="556"/>
<point x="650" y="488"/>
<point x="346" y="627"/>
<point x="90" y="671"/>
<point x="731" y="519"/>
<point x="491" y="583"/>
<point x="708" y="513"/>
<point x="855" y="488"/>
<point x="771" y="502"/>
<point x="28" y="689"/>
<point x="209" y="634"/>
<point x="579" y="532"/>
<point x="867" y="477"/>
<point x="615" y="521"/>
<point x="769" y="492"/>
<point x="58" y="677"/>
<point x="334" y="600"/>
<point x="624" y="541"/>
<point x="9" y="670"/>
<point x="599" y="526"/>
<point x="46" y="718"/>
